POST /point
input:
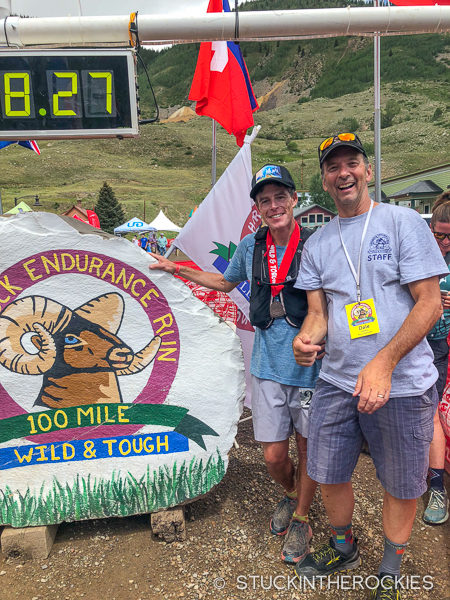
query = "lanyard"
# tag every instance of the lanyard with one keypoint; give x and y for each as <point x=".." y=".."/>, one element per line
<point x="356" y="275"/>
<point x="277" y="275"/>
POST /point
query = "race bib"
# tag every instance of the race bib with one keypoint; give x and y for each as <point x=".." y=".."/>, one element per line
<point x="305" y="395"/>
<point x="362" y="318"/>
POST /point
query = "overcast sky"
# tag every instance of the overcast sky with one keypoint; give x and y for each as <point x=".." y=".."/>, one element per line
<point x="61" y="8"/>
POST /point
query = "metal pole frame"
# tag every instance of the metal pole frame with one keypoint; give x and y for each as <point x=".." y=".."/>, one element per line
<point x="214" y="154"/>
<point x="376" y="113"/>
<point x="253" y="26"/>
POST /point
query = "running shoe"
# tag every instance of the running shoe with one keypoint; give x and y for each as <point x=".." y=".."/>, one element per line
<point x="327" y="560"/>
<point x="385" y="590"/>
<point x="436" y="512"/>
<point x="296" y="545"/>
<point x="282" y="517"/>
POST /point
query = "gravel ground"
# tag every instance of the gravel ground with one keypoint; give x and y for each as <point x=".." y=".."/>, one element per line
<point x="229" y="553"/>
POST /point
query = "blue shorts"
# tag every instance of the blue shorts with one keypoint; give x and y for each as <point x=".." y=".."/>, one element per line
<point x="398" y="435"/>
<point x="278" y="409"/>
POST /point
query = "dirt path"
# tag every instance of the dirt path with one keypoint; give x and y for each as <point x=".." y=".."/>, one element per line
<point x="228" y="554"/>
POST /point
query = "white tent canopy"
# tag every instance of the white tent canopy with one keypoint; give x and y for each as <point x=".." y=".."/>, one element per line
<point x="134" y="225"/>
<point x="162" y="223"/>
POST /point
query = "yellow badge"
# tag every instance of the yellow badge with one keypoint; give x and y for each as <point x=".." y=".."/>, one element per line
<point x="362" y="318"/>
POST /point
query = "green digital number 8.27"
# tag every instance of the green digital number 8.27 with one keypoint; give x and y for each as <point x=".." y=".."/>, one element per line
<point x="65" y="94"/>
<point x="9" y="94"/>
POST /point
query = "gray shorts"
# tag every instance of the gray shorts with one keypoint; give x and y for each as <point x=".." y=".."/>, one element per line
<point x="398" y="435"/>
<point x="278" y="410"/>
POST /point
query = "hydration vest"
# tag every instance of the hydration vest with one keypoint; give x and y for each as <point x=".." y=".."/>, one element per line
<point x="293" y="300"/>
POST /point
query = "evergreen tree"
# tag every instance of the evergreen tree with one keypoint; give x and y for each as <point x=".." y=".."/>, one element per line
<point x="109" y="211"/>
<point x="319" y="195"/>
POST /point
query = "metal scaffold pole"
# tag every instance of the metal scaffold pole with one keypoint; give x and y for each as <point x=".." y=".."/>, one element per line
<point x="377" y="114"/>
<point x="255" y="25"/>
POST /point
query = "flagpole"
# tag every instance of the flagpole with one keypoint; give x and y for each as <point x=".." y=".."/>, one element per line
<point x="376" y="113"/>
<point x="213" y="153"/>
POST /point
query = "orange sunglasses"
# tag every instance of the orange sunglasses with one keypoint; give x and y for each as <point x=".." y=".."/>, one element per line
<point x="344" y="137"/>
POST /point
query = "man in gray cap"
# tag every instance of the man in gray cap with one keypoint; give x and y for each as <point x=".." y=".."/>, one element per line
<point x="281" y="389"/>
<point x="372" y="281"/>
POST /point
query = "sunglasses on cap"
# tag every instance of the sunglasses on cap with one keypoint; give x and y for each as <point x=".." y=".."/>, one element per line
<point x="340" y="137"/>
<point x="441" y="236"/>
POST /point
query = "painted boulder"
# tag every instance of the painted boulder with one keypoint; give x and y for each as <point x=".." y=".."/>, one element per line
<point x="120" y="392"/>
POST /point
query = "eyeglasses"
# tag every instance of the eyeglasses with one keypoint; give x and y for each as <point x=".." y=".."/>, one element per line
<point x="441" y="236"/>
<point x="343" y="137"/>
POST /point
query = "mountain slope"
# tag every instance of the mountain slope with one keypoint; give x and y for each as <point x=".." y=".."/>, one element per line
<point x="329" y="67"/>
<point x="322" y="86"/>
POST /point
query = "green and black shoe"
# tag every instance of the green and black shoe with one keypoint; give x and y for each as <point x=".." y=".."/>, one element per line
<point x="327" y="560"/>
<point x="385" y="590"/>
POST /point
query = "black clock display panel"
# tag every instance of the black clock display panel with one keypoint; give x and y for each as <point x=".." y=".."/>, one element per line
<point x="69" y="94"/>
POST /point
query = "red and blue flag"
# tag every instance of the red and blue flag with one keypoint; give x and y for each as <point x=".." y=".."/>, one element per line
<point x="221" y="85"/>
<point x="30" y="144"/>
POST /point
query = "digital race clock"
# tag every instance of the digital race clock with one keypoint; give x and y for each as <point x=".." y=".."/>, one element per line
<point x="47" y="94"/>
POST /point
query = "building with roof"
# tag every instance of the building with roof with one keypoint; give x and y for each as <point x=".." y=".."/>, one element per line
<point x="313" y="215"/>
<point x="416" y="190"/>
<point x="77" y="211"/>
<point x="419" y="195"/>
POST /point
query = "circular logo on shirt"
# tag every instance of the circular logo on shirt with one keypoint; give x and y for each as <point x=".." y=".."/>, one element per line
<point x="379" y="244"/>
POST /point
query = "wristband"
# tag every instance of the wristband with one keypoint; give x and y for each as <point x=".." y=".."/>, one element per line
<point x="177" y="270"/>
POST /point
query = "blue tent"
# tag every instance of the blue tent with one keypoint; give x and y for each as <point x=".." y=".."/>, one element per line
<point x="134" y="225"/>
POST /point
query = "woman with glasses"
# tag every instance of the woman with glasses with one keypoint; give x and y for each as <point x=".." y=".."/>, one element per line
<point x="437" y="508"/>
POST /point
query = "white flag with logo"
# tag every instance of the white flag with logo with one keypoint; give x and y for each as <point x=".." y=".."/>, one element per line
<point x="211" y="235"/>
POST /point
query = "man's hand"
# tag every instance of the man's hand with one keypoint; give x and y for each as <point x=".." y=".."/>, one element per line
<point x="373" y="385"/>
<point x="321" y="353"/>
<point x="445" y="297"/>
<point x="162" y="264"/>
<point x="213" y="281"/>
<point x="305" y="352"/>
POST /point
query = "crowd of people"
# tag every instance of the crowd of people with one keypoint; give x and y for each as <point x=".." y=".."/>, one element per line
<point x="341" y="356"/>
<point x="152" y="243"/>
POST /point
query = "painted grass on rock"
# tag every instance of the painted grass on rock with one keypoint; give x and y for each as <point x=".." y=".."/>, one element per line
<point x="95" y="497"/>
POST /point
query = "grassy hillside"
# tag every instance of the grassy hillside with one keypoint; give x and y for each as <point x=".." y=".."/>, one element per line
<point x="326" y="86"/>
<point x="168" y="166"/>
<point x="172" y="69"/>
<point x="329" y="67"/>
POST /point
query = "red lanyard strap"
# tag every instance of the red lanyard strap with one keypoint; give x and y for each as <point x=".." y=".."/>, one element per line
<point x="276" y="274"/>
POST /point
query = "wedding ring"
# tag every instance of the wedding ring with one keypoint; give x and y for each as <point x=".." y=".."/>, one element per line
<point x="380" y="396"/>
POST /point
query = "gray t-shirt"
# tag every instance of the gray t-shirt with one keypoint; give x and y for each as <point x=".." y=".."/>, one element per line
<point x="398" y="249"/>
<point x="272" y="356"/>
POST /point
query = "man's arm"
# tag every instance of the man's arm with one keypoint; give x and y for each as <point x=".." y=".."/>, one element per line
<point x="374" y="380"/>
<point x="214" y="281"/>
<point x="307" y="343"/>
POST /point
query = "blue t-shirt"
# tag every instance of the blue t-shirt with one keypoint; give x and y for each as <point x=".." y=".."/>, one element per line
<point x="398" y="249"/>
<point x="272" y="356"/>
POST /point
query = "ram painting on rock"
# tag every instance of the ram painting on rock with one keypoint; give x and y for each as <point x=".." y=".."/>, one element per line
<point x="120" y="392"/>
